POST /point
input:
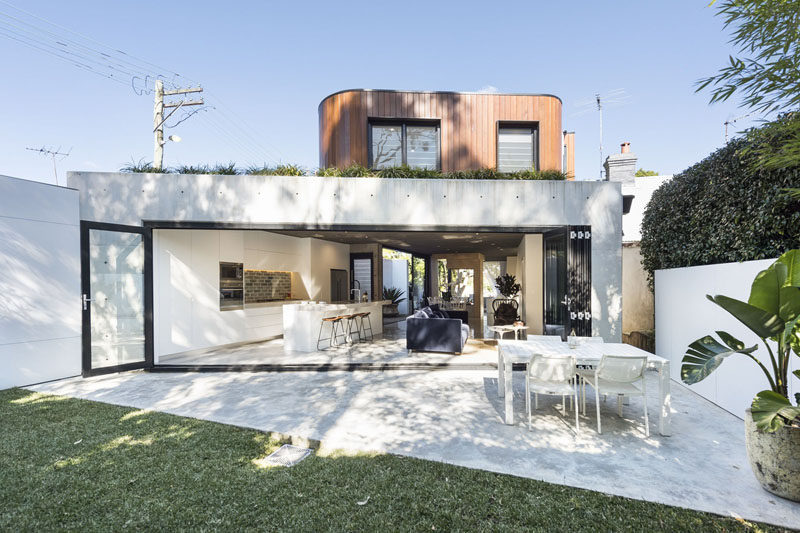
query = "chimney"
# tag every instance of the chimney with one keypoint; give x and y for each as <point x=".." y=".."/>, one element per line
<point x="621" y="167"/>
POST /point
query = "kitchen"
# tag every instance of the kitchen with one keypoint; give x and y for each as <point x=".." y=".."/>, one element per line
<point x="223" y="287"/>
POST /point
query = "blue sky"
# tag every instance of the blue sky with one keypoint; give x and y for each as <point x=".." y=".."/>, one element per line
<point x="267" y="65"/>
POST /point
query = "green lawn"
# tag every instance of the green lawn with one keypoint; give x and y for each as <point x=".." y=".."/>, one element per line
<point x="80" y="465"/>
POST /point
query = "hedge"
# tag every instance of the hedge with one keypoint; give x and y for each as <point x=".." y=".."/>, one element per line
<point x="722" y="209"/>
<point x="353" y="171"/>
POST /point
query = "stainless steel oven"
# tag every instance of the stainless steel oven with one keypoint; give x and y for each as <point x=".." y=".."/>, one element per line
<point x="231" y="286"/>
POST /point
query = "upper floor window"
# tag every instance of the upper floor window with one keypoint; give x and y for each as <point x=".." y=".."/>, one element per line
<point x="517" y="147"/>
<point x="412" y="143"/>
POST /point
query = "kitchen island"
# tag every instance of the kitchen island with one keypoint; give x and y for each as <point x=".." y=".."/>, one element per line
<point x="301" y="321"/>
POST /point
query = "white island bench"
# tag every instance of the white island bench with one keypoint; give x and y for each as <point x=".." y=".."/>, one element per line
<point x="301" y="321"/>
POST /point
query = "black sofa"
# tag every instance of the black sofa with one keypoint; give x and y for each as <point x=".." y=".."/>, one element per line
<point x="429" y="331"/>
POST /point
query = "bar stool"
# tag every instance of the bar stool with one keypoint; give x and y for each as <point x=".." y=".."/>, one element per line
<point x="336" y="331"/>
<point x="365" y="326"/>
<point x="352" y="320"/>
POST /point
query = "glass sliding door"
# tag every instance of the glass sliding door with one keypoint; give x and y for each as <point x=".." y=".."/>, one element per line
<point x="113" y="280"/>
<point x="555" y="282"/>
<point x="419" y="277"/>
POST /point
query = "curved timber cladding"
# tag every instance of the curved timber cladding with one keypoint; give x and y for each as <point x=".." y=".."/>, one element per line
<point x="468" y="123"/>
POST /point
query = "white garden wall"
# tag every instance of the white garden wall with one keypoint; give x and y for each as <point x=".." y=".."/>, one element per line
<point x="40" y="282"/>
<point x="684" y="314"/>
<point x="395" y="274"/>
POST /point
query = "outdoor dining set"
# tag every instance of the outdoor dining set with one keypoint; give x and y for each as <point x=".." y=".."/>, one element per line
<point x="562" y="368"/>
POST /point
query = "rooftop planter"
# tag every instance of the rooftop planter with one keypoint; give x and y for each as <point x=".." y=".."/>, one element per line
<point x="353" y="171"/>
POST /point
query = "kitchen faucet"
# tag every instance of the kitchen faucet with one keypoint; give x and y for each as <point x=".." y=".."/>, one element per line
<point x="356" y="290"/>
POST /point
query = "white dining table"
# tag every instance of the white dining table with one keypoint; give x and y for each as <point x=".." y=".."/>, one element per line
<point x="586" y="353"/>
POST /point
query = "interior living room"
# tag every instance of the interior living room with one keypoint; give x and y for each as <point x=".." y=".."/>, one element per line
<point x="224" y="297"/>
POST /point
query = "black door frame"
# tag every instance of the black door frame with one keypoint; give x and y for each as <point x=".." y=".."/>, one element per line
<point x="579" y="280"/>
<point x="561" y="234"/>
<point x="363" y="255"/>
<point x="426" y="259"/>
<point x="86" y="313"/>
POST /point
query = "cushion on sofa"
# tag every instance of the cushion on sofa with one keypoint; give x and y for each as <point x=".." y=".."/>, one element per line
<point x="419" y="314"/>
<point x="428" y="311"/>
<point x="464" y="334"/>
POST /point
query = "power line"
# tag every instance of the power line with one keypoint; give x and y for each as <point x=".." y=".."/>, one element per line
<point x="91" y="55"/>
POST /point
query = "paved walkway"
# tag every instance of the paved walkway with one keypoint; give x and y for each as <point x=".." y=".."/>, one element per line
<point x="455" y="416"/>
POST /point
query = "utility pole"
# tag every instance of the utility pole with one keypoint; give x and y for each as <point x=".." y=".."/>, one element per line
<point x="52" y="153"/>
<point x="600" y="109"/>
<point x="159" y="118"/>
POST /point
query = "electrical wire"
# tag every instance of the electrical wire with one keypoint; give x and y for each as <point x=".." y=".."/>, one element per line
<point x="107" y="63"/>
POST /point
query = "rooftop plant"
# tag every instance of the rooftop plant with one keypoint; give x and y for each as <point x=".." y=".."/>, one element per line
<point x="353" y="171"/>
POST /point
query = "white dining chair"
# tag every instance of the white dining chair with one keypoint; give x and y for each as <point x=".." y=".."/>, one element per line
<point x="551" y="374"/>
<point x="581" y="340"/>
<point x="544" y="338"/>
<point x="620" y="375"/>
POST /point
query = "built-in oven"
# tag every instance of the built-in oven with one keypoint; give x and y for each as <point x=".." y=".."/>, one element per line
<point x="231" y="286"/>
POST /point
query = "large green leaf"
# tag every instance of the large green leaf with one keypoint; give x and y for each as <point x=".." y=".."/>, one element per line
<point x="765" y="290"/>
<point x="789" y="292"/>
<point x="771" y="411"/>
<point x="790" y="302"/>
<point x="763" y="323"/>
<point x="792" y="261"/>
<point x="704" y="356"/>
<point x="791" y="330"/>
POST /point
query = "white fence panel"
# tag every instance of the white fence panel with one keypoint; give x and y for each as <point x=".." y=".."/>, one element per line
<point x="40" y="282"/>
<point x="684" y="314"/>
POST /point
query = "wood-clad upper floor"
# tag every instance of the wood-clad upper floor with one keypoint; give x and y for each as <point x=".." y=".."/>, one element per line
<point x="446" y="130"/>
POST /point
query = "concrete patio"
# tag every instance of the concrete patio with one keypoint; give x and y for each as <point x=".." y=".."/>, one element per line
<point x="455" y="416"/>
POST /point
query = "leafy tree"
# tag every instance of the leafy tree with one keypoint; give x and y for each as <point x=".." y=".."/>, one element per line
<point x="766" y="71"/>
<point x="641" y="173"/>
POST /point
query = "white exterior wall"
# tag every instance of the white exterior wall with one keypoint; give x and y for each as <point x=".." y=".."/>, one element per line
<point x="395" y="274"/>
<point x="642" y="189"/>
<point x="375" y="203"/>
<point x="40" y="282"/>
<point x="684" y="314"/>
<point x="186" y="284"/>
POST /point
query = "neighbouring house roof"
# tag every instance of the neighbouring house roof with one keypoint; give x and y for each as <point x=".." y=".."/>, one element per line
<point x="641" y="190"/>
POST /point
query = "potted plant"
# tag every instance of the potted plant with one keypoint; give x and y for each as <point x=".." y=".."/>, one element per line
<point x="505" y="309"/>
<point x="396" y="296"/>
<point x="772" y="424"/>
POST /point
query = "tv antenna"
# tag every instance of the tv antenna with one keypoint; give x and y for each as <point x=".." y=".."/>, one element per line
<point x="52" y="153"/>
<point x="731" y="121"/>
<point x="613" y="98"/>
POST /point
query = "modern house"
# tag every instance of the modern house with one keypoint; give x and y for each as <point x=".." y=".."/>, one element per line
<point x="173" y="266"/>
<point x="448" y="131"/>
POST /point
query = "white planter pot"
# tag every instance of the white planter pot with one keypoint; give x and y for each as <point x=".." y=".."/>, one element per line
<point x="774" y="458"/>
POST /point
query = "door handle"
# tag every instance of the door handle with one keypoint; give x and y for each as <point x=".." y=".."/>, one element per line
<point x="86" y="300"/>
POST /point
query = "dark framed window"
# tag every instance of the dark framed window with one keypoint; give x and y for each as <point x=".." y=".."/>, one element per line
<point x="416" y="143"/>
<point x="517" y="146"/>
